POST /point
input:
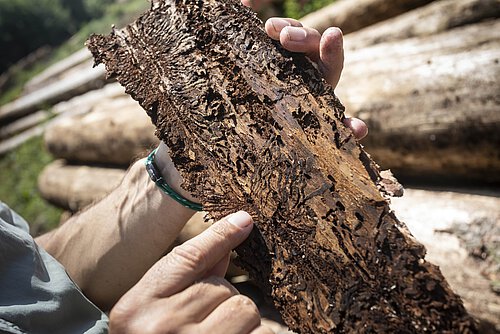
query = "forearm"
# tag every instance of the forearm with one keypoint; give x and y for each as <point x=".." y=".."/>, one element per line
<point x="107" y="248"/>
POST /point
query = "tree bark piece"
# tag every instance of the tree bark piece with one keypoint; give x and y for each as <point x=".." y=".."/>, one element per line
<point x="115" y="132"/>
<point x="436" y="17"/>
<point x="353" y="15"/>
<point x="431" y="103"/>
<point x="251" y="127"/>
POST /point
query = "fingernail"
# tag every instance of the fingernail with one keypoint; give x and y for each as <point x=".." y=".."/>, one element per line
<point x="279" y="24"/>
<point x="295" y="34"/>
<point x="240" y="219"/>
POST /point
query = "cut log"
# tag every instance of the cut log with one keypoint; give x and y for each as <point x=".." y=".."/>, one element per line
<point x="54" y="72"/>
<point x="13" y="142"/>
<point x="252" y="127"/>
<point x="434" y="18"/>
<point x="431" y="103"/>
<point x="433" y="217"/>
<point x="74" y="187"/>
<point x="24" y="124"/>
<point x="84" y="103"/>
<point x="115" y="132"/>
<point x="53" y="93"/>
<point x="352" y="15"/>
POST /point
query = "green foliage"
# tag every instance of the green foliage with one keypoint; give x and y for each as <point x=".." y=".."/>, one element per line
<point x="96" y="8"/>
<point x="19" y="171"/>
<point x="26" y="25"/>
<point x="299" y="8"/>
<point x="117" y="13"/>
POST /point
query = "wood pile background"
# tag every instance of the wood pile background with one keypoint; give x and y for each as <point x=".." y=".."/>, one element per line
<point x="423" y="74"/>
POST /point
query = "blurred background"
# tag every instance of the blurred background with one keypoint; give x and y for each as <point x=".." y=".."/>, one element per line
<point x="424" y="75"/>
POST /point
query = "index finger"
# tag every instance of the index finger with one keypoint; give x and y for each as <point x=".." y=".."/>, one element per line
<point x="190" y="261"/>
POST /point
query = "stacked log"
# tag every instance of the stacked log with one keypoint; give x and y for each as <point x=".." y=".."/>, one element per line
<point x="58" y="91"/>
<point x="60" y="69"/>
<point x="116" y="132"/>
<point x="431" y="103"/>
<point x="437" y="17"/>
<point x="73" y="187"/>
<point x="96" y="146"/>
<point x="351" y="15"/>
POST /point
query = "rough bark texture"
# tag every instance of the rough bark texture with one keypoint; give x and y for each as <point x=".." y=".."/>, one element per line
<point x="431" y="103"/>
<point x="428" y="20"/>
<point x="251" y="127"/>
<point x="352" y="15"/>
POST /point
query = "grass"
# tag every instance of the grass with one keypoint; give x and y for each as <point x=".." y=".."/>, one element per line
<point x="19" y="172"/>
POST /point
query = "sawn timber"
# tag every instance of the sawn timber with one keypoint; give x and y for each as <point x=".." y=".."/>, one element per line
<point x="253" y="127"/>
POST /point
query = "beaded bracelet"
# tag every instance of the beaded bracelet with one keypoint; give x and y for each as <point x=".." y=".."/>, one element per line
<point x="157" y="178"/>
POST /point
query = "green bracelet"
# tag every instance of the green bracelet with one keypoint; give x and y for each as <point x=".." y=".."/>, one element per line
<point x="157" y="178"/>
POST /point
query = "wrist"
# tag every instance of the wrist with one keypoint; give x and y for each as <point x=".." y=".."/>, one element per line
<point x="170" y="174"/>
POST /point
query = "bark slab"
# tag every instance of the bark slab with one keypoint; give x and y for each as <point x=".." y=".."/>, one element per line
<point x="252" y="127"/>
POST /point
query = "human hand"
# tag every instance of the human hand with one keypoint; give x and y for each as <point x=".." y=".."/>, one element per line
<point x="185" y="291"/>
<point x="325" y="50"/>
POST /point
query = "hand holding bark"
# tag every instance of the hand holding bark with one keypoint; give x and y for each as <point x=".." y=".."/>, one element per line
<point x="186" y="291"/>
<point x="326" y="50"/>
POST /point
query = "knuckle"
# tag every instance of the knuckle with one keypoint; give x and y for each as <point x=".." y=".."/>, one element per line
<point x="246" y="305"/>
<point x="189" y="256"/>
<point x="213" y="288"/>
<point x="120" y="315"/>
<point x="222" y="284"/>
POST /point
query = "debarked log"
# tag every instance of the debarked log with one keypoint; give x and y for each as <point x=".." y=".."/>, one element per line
<point x="436" y="17"/>
<point x="431" y="103"/>
<point x="116" y="132"/>
<point x="73" y="187"/>
<point x="353" y="15"/>
<point x="253" y="127"/>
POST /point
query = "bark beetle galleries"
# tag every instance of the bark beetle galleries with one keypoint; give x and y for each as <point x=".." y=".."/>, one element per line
<point x="253" y="127"/>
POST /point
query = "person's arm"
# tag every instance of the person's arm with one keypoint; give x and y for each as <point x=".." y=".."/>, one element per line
<point x="107" y="248"/>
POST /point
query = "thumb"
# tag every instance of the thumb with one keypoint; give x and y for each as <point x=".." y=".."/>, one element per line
<point x="190" y="261"/>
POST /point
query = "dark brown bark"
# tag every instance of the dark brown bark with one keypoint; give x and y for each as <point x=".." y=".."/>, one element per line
<point x="252" y="127"/>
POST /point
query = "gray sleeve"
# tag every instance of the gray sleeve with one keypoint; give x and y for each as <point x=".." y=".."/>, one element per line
<point x="36" y="293"/>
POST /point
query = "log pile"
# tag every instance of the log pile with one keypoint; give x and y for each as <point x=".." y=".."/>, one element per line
<point x="251" y="127"/>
